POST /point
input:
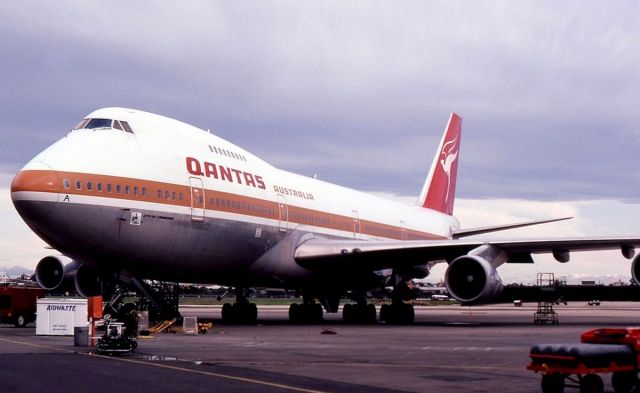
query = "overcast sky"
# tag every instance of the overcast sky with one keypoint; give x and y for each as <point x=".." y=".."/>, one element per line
<point x="355" y="92"/>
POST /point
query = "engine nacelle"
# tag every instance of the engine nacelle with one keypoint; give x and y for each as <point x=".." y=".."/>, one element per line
<point x="87" y="281"/>
<point x="56" y="272"/>
<point x="471" y="279"/>
<point x="635" y="269"/>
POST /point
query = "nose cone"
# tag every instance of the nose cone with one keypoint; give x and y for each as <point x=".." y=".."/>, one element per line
<point x="34" y="192"/>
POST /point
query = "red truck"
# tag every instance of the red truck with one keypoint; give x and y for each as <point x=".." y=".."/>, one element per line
<point x="18" y="303"/>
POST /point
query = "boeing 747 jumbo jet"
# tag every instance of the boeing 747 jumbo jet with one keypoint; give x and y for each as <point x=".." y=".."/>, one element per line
<point x="132" y="196"/>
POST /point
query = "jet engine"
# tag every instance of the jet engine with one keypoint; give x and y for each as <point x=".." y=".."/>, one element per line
<point x="87" y="281"/>
<point x="473" y="278"/>
<point x="56" y="272"/>
<point x="635" y="269"/>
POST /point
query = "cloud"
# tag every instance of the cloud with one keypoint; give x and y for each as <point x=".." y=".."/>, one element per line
<point x="19" y="245"/>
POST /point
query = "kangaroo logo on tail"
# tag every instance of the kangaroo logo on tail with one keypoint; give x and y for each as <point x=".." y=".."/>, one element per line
<point x="438" y="192"/>
<point x="450" y="154"/>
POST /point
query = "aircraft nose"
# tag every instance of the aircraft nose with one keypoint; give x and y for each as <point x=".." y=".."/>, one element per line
<point x="34" y="191"/>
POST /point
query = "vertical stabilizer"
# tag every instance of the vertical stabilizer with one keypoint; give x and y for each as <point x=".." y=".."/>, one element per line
<point x="439" y="190"/>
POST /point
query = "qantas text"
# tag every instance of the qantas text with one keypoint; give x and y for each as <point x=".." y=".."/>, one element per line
<point x="216" y="171"/>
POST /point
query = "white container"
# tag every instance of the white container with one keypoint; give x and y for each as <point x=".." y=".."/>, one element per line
<point x="58" y="316"/>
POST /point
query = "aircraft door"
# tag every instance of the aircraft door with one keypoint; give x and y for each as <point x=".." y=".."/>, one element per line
<point x="283" y="213"/>
<point x="403" y="227"/>
<point x="356" y="224"/>
<point x="197" y="199"/>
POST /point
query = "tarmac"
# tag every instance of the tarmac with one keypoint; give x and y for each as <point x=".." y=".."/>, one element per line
<point x="448" y="349"/>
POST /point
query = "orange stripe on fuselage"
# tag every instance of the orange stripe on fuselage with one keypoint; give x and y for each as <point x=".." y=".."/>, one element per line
<point x="180" y="195"/>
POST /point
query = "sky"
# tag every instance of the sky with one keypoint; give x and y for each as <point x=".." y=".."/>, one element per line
<point x="357" y="93"/>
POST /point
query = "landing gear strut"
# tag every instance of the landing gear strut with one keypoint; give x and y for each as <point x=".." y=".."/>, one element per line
<point x="241" y="312"/>
<point x="398" y="312"/>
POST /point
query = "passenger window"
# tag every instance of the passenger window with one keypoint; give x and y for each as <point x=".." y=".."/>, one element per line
<point x="159" y="194"/>
<point x="78" y="185"/>
<point x="166" y="195"/>
<point x="99" y="187"/>
<point x="144" y="191"/>
<point x="126" y="189"/>
<point x="89" y="186"/>
<point x="118" y="188"/>
<point x="66" y="184"/>
<point x="173" y="195"/>
<point x="135" y="190"/>
<point x="109" y="187"/>
<point x="180" y="196"/>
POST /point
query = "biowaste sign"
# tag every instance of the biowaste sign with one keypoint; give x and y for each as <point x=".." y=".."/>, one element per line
<point x="58" y="316"/>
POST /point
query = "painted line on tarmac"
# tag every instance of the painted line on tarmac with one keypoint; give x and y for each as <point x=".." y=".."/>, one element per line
<point x="215" y="374"/>
<point x="165" y="366"/>
<point x="36" y="345"/>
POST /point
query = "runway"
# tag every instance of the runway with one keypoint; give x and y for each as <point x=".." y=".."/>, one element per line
<point x="449" y="349"/>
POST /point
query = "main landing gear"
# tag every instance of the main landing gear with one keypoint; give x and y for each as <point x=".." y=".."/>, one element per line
<point x="360" y="312"/>
<point x="398" y="312"/>
<point x="241" y="312"/>
<point x="306" y="312"/>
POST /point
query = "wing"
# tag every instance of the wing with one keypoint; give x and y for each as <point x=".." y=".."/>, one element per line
<point x="457" y="234"/>
<point x="323" y="254"/>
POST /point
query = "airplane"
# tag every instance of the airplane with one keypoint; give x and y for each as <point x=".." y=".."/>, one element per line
<point x="129" y="196"/>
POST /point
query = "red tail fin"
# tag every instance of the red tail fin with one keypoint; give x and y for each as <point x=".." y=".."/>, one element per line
<point x="439" y="190"/>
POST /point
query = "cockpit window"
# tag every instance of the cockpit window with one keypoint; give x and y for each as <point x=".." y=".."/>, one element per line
<point x="126" y="126"/>
<point x="81" y="125"/>
<point x="98" y="123"/>
<point x="116" y="124"/>
<point x="92" y="124"/>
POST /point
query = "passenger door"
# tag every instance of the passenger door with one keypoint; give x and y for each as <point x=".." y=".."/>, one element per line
<point x="197" y="199"/>
<point x="283" y="213"/>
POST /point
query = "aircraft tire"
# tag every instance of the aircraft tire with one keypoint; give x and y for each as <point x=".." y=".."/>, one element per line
<point x="347" y="313"/>
<point x="227" y="313"/>
<point x="253" y="313"/>
<point x="305" y="313"/>
<point x="397" y="314"/>
<point x="294" y="313"/>
<point x="384" y="313"/>
<point x="318" y="314"/>
<point x="244" y="313"/>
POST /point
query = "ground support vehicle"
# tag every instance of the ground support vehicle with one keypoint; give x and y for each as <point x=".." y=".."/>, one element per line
<point x="114" y="341"/>
<point x="601" y="351"/>
<point x="18" y="303"/>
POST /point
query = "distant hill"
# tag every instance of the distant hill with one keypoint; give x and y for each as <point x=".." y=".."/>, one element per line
<point x="15" y="271"/>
